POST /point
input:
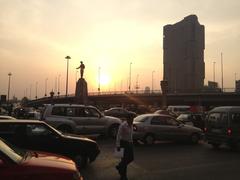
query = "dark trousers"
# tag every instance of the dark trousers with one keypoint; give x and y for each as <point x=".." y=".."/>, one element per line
<point x="128" y="157"/>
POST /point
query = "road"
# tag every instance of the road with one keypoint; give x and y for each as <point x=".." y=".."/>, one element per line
<point x="168" y="161"/>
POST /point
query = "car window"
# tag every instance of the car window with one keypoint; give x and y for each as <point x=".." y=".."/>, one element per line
<point x="141" y="118"/>
<point x="59" y="111"/>
<point x="38" y="130"/>
<point x="91" y="112"/>
<point x="7" y="128"/>
<point x="218" y="119"/>
<point x="214" y="118"/>
<point x="157" y="121"/>
<point x="70" y="111"/>
<point x="79" y="112"/>
<point x="235" y="118"/>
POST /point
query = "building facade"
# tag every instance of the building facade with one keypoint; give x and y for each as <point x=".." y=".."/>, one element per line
<point x="183" y="55"/>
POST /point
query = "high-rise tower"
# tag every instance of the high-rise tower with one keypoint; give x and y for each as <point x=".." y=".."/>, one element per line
<point x="183" y="55"/>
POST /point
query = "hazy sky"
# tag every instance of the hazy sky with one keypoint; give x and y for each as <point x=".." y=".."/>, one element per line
<point x="36" y="35"/>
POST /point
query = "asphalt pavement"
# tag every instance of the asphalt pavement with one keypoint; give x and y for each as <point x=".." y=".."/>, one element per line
<point x="167" y="161"/>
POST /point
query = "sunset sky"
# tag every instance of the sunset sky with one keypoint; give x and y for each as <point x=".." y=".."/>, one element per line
<point x="37" y="35"/>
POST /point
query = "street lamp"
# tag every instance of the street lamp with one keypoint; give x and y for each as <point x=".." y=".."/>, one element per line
<point x="99" y="79"/>
<point x="59" y="84"/>
<point x="9" y="81"/>
<point x="214" y="71"/>
<point x="46" y="86"/>
<point x="130" y="74"/>
<point x="152" y="80"/>
<point x="67" y="58"/>
<point x="36" y="89"/>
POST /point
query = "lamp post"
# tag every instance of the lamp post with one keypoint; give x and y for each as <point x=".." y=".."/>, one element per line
<point x="9" y="81"/>
<point x="99" y="79"/>
<point x="30" y="93"/>
<point x="152" y="80"/>
<point x="46" y="86"/>
<point x="36" y="89"/>
<point x="130" y="74"/>
<point x="59" y="84"/>
<point x="67" y="58"/>
<point x="222" y="69"/>
<point x="214" y="71"/>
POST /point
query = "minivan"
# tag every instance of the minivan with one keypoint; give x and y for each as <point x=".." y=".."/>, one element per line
<point x="222" y="126"/>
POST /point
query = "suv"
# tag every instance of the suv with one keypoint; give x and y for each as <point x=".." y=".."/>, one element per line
<point x="80" y="119"/>
<point x="222" y="126"/>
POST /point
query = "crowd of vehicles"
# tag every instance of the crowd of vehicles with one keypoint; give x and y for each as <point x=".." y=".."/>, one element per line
<point x="61" y="130"/>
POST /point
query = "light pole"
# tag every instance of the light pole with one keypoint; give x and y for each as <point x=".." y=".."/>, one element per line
<point x="99" y="79"/>
<point x="222" y="69"/>
<point x="9" y="81"/>
<point x="130" y="74"/>
<point x="36" y="89"/>
<point x="67" y="58"/>
<point x="214" y="71"/>
<point x="30" y="93"/>
<point x="152" y="80"/>
<point x="59" y="84"/>
<point x="46" y="86"/>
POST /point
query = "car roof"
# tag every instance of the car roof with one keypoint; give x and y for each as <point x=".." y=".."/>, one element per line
<point x="68" y="105"/>
<point x="152" y="114"/>
<point x="22" y="121"/>
<point x="226" y="109"/>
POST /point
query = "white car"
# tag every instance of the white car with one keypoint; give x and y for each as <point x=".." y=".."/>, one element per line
<point x="80" y="119"/>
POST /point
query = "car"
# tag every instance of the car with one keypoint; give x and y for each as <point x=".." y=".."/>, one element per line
<point x="222" y="126"/>
<point x="179" y="109"/>
<point x="193" y="119"/>
<point x="38" y="135"/>
<point x="80" y="119"/>
<point x="165" y="112"/>
<point x="120" y="113"/>
<point x="7" y="117"/>
<point x="151" y="127"/>
<point x="21" y="164"/>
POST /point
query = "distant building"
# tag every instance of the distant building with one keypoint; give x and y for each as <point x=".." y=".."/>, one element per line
<point x="212" y="84"/>
<point x="237" y="86"/>
<point x="183" y="55"/>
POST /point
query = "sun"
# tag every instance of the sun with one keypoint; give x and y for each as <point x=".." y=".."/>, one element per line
<point x="104" y="79"/>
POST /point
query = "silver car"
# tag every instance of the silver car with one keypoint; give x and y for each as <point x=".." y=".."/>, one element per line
<point x="80" y="119"/>
<point x="151" y="127"/>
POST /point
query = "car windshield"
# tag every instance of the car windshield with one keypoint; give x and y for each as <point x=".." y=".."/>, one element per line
<point x="183" y="117"/>
<point x="14" y="153"/>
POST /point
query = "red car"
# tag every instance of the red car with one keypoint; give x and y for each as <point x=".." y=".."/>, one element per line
<point x="21" y="164"/>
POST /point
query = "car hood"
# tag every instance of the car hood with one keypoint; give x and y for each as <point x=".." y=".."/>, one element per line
<point x="75" y="137"/>
<point x="44" y="160"/>
<point x="192" y="128"/>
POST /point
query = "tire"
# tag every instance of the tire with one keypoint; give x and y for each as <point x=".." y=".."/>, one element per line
<point x="113" y="130"/>
<point x="81" y="161"/>
<point x="149" y="139"/>
<point x="65" y="129"/>
<point x="194" y="138"/>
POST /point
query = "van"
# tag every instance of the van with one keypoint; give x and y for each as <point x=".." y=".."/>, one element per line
<point x="178" y="109"/>
<point x="222" y="126"/>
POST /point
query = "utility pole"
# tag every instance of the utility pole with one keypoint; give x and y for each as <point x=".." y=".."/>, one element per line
<point x="222" y="69"/>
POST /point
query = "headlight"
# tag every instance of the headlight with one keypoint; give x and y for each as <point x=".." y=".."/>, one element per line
<point x="77" y="176"/>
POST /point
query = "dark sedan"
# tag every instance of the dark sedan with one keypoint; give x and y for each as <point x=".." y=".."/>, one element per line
<point x="120" y="113"/>
<point x="37" y="135"/>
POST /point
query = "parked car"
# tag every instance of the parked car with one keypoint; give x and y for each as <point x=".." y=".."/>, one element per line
<point x="193" y="119"/>
<point x="179" y="109"/>
<point x="80" y="119"/>
<point x="21" y="164"/>
<point x="120" y="113"/>
<point x="151" y="127"/>
<point x="37" y="135"/>
<point x="7" y="117"/>
<point x="222" y="126"/>
<point x="166" y="113"/>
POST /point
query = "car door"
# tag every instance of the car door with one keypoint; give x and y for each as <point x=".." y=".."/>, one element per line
<point x="41" y="137"/>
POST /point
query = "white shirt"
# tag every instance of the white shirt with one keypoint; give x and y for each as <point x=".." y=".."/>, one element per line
<point x="124" y="133"/>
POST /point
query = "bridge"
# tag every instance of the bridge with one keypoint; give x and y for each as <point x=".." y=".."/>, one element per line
<point x="152" y="98"/>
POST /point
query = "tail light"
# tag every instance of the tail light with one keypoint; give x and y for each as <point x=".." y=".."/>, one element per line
<point x="205" y="129"/>
<point x="229" y="131"/>
<point x="134" y="127"/>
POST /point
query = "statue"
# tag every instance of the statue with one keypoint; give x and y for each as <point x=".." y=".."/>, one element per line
<point x="81" y="67"/>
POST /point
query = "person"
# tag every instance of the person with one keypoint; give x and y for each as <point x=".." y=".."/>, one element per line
<point x="124" y="140"/>
<point x="81" y="67"/>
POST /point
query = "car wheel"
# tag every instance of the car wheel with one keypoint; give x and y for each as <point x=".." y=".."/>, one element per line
<point x="194" y="138"/>
<point x="81" y="161"/>
<point x="65" y="129"/>
<point x="113" y="130"/>
<point x="149" y="139"/>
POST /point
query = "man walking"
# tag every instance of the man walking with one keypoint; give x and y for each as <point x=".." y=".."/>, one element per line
<point x="124" y="140"/>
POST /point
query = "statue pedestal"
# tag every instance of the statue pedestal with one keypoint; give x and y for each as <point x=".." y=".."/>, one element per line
<point x="81" y="92"/>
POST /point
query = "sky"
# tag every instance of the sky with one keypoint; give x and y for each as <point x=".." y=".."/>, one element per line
<point x="110" y="37"/>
